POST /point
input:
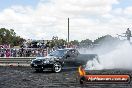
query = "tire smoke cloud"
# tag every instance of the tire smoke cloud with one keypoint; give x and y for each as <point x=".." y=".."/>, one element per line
<point x="112" y="55"/>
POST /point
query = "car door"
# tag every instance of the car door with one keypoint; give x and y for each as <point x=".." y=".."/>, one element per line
<point x="70" y="58"/>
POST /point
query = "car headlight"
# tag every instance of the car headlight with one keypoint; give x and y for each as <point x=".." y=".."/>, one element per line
<point x="32" y="62"/>
<point x="46" y="61"/>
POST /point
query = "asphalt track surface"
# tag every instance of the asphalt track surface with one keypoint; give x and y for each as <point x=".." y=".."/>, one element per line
<point x="25" y="77"/>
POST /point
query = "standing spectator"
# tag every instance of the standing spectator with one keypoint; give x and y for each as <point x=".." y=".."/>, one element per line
<point x="128" y="34"/>
<point x="14" y="53"/>
<point x="7" y="53"/>
<point x="2" y="53"/>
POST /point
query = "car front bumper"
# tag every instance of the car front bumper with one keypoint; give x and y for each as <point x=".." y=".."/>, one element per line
<point x="41" y="66"/>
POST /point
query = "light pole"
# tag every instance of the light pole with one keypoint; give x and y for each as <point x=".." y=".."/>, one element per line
<point x="68" y="30"/>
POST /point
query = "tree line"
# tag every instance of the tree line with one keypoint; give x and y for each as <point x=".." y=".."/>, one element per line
<point x="8" y="36"/>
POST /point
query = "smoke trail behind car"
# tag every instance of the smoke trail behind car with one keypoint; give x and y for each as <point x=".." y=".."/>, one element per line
<point x="112" y="56"/>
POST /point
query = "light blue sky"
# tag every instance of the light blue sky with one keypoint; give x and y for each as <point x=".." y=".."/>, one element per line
<point x="123" y="4"/>
<point x="7" y="3"/>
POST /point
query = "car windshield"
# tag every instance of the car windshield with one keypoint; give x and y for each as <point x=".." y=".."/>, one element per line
<point x="58" y="53"/>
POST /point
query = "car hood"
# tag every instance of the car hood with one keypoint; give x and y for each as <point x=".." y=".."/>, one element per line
<point x="49" y="58"/>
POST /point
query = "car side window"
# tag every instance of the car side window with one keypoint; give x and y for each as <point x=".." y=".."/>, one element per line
<point x="76" y="53"/>
<point x="73" y="53"/>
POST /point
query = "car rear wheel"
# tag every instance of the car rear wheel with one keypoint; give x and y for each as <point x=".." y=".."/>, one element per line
<point x="57" y="67"/>
<point x="82" y="80"/>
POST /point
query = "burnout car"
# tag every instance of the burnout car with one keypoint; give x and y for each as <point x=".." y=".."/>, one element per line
<point x="60" y="58"/>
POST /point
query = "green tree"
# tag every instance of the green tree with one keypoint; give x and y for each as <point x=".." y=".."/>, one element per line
<point x="87" y="42"/>
<point x="74" y="42"/>
<point x="9" y="37"/>
<point x="59" y="42"/>
<point x="106" y="38"/>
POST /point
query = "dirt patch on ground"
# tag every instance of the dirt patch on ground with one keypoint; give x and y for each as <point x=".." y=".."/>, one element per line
<point x="25" y="77"/>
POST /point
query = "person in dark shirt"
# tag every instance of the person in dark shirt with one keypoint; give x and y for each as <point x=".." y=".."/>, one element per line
<point x="128" y="34"/>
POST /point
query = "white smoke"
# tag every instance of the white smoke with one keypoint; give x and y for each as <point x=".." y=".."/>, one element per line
<point x="117" y="56"/>
<point x="120" y="58"/>
<point x="93" y="65"/>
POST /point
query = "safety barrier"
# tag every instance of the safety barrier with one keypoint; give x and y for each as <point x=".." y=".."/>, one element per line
<point x="20" y="61"/>
<point x="16" y="61"/>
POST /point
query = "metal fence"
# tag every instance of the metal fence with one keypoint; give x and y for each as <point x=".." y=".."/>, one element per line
<point x="16" y="61"/>
<point x="21" y="56"/>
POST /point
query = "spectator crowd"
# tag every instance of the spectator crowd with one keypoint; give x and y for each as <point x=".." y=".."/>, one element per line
<point x="33" y="50"/>
<point x="23" y="52"/>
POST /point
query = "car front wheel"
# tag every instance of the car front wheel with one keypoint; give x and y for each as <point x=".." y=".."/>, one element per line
<point x="57" y="67"/>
